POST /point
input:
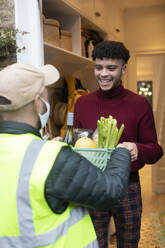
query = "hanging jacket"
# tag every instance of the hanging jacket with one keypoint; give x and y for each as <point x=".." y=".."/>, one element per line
<point x="73" y="95"/>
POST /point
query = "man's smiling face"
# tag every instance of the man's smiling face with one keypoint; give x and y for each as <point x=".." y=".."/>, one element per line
<point x="108" y="72"/>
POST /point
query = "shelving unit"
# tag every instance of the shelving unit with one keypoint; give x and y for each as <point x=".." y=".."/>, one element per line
<point x="70" y="63"/>
<point x="70" y="19"/>
<point x="66" y="62"/>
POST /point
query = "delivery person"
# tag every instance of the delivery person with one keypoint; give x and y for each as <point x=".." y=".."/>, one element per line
<point x="45" y="187"/>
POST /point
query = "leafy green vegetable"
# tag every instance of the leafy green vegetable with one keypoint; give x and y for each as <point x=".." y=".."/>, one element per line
<point x="108" y="133"/>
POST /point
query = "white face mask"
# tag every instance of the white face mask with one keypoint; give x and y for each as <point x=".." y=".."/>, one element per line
<point x="44" y="117"/>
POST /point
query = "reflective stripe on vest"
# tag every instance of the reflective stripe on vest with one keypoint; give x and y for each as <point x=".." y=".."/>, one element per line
<point x="28" y="237"/>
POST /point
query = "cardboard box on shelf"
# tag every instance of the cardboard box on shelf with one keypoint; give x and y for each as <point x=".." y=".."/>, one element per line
<point x="51" y="31"/>
<point x="66" y="40"/>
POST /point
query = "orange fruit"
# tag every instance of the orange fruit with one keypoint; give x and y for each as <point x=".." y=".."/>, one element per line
<point x="85" y="142"/>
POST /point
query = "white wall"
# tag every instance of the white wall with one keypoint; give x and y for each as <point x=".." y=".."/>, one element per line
<point x="28" y="19"/>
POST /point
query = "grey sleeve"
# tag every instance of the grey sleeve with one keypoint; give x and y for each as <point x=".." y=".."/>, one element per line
<point x="73" y="179"/>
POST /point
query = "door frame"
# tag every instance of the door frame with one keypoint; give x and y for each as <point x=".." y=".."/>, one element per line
<point x="131" y="83"/>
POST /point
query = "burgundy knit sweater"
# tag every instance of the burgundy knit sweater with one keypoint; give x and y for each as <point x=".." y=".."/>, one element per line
<point x="128" y="108"/>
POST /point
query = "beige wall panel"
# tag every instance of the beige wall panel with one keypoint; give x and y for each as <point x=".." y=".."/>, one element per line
<point x="114" y="20"/>
<point x="144" y="28"/>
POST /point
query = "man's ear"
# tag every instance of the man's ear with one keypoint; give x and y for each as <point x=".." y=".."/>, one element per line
<point x="124" y="69"/>
<point x="37" y="103"/>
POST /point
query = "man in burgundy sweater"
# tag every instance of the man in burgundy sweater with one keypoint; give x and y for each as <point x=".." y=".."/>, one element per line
<point x="139" y="137"/>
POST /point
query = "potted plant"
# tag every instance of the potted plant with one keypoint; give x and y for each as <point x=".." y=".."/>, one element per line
<point x="8" y="41"/>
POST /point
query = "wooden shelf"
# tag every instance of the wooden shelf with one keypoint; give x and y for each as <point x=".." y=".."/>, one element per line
<point x="161" y="181"/>
<point x="62" y="11"/>
<point x="66" y="62"/>
<point x="57" y="8"/>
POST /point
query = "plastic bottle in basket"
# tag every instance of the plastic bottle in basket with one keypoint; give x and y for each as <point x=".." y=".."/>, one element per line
<point x="69" y="134"/>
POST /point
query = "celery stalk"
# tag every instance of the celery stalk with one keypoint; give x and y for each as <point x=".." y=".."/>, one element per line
<point x="103" y="130"/>
<point x="109" y="127"/>
<point x="113" y="133"/>
<point x="113" y="138"/>
<point x="99" y="133"/>
<point x="119" y="134"/>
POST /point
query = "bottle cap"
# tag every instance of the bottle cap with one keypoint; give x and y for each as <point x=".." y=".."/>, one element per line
<point x="70" y="119"/>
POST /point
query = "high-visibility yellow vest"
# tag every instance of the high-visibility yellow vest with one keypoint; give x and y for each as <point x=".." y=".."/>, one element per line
<point x="26" y="219"/>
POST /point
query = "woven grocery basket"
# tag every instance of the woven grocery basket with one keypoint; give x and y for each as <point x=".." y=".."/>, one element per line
<point x="97" y="156"/>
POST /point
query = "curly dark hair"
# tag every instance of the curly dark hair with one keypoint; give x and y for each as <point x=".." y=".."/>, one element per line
<point x="110" y="49"/>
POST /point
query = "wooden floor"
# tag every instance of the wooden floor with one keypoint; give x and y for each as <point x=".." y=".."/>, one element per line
<point x="153" y="218"/>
